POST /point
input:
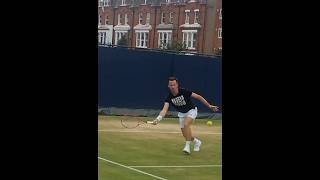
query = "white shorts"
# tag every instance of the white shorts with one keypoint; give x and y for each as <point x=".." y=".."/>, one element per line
<point x="191" y="113"/>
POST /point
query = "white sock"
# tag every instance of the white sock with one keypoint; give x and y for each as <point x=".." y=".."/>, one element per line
<point x="188" y="143"/>
<point x="195" y="140"/>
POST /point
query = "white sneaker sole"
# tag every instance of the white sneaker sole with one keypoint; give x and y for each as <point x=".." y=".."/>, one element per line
<point x="186" y="151"/>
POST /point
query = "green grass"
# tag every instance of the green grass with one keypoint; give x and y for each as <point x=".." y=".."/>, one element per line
<point x="151" y="148"/>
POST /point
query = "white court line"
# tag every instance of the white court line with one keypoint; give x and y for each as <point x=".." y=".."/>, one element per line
<point x="132" y="168"/>
<point x="192" y="166"/>
<point x="161" y="132"/>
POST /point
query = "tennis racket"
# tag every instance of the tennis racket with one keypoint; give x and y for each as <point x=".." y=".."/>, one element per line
<point x="131" y="122"/>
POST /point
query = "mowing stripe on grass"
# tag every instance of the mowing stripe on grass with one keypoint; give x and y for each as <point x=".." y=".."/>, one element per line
<point x="131" y="168"/>
<point x="192" y="166"/>
<point x="161" y="132"/>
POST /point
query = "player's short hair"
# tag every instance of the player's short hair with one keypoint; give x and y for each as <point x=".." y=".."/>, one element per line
<point x="172" y="78"/>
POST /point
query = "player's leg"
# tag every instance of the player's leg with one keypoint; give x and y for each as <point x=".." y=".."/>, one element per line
<point x="181" y="123"/>
<point x="184" y="134"/>
<point x="188" y="135"/>
<point x="185" y="120"/>
<point x="186" y="131"/>
<point x="186" y="149"/>
<point x="193" y="115"/>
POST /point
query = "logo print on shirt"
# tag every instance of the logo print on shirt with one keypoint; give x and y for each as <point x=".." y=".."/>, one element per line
<point x="179" y="101"/>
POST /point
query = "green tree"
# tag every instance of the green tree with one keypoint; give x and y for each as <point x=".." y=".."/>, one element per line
<point x="123" y="41"/>
<point x="218" y="51"/>
<point x="175" y="46"/>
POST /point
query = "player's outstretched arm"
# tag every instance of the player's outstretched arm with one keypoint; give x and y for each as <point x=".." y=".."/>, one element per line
<point x="205" y="102"/>
<point x="162" y="113"/>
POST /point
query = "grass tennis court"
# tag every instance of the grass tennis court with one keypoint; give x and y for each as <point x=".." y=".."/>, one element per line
<point x="155" y="152"/>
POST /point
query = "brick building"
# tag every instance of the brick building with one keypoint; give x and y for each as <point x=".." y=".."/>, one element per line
<point x="217" y="39"/>
<point x="157" y="23"/>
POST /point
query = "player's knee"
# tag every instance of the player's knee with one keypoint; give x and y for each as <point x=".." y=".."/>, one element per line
<point x="187" y="122"/>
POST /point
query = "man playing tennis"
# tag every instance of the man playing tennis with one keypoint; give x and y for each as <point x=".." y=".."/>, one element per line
<point x="180" y="99"/>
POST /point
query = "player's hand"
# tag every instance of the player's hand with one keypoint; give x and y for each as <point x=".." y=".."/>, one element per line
<point x="155" y="122"/>
<point x="214" y="108"/>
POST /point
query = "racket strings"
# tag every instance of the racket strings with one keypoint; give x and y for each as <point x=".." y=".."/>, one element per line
<point x="131" y="122"/>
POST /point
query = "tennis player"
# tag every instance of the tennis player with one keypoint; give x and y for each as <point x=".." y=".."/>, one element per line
<point x="180" y="99"/>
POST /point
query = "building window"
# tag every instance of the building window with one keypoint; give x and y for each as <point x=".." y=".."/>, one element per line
<point x="220" y="14"/>
<point x="106" y="2"/>
<point x="168" y="1"/>
<point x="148" y="19"/>
<point x="99" y="38"/>
<point x="163" y="18"/>
<point x="164" y="39"/>
<point x="102" y="37"/>
<point x="196" y="16"/>
<point x="123" y="2"/>
<point x="107" y="19"/>
<point x="219" y="33"/>
<point x="119" y="35"/>
<point x="126" y="19"/>
<point x="100" y="3"/>
<point x="187" y="16"/>
<point x="171" y="18"/>
<point x="142" y="39"/>
<point x="121" y="20"/>
<point x="140" y="18"/>
<point x="145" y="1"/>
<point x="190" y="39"/>
<point x="100" y="19"/>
